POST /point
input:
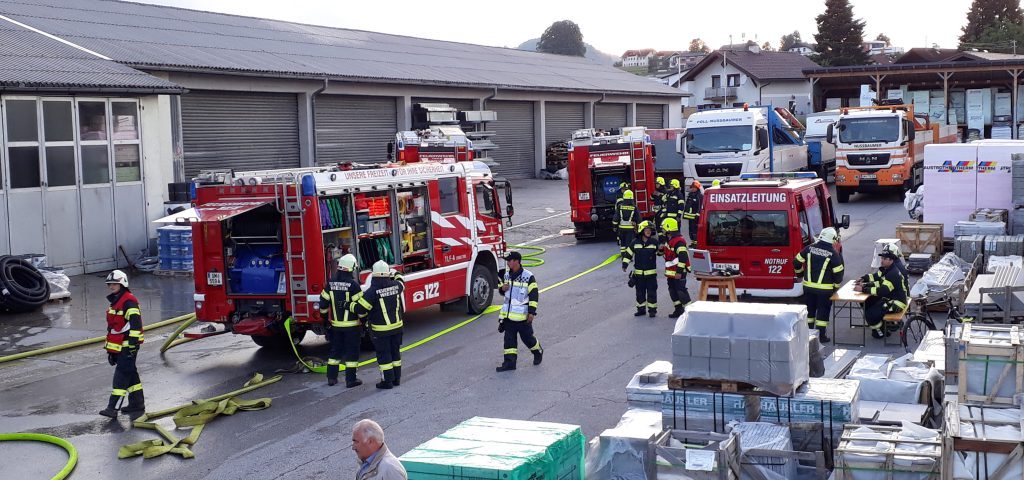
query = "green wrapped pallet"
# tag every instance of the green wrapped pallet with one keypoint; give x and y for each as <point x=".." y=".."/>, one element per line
<point x="497" y="449"/>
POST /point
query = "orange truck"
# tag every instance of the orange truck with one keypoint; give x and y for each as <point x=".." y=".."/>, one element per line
<point x="881" y="148"/>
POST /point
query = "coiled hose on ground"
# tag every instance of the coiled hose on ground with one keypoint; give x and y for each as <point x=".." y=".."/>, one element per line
<point x="22" y="287"/>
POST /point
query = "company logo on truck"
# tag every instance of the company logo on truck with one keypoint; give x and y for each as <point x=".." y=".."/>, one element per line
<point x="767" y="197"/>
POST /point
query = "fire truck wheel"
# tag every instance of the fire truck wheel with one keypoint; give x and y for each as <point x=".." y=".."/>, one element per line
<point x="843" y="194"/>
<point x="280" y="340"/>
<point x="481" y="290"/>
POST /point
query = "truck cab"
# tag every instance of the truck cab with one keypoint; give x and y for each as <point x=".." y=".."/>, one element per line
<point x="821" y="154"/>
<point x="725" y="143"/>
<point x="758" y="224"/>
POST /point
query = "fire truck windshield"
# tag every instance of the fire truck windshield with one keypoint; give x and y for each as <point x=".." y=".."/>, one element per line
<point x="734" y="138"/>
<point x="869" y="130"/>
<point x="753" y="228"/>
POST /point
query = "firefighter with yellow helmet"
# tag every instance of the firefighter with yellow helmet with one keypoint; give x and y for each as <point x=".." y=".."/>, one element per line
<point x="624" y="218"/>
<point x="643" y="254"/>
<point x="677" y="264"/>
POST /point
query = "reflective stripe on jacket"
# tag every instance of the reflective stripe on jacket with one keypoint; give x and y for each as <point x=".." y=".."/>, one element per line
<point x="820" y="265"/>
<point x="382" y="305"/>
<point x="124" y="322"/>
<point x="337" y="299"/>
<point x="644" y="255"/>
<point x="522" y="296"/>
<point x="677" y="260"/>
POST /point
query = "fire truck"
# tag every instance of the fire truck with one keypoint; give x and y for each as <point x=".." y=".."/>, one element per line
<point x="266" y="242"/>
<point x="882" y="148"/>
<point x="598" y="163"/>
<point x="758" y="224"/>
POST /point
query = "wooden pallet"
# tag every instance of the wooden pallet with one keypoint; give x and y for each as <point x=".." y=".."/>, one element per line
<point x="977" y="438"/>
<point x="727" y="386"/>
<point x="920" y="238"/>
<point x="173" y="273"/>
<point x="1006" y="358"/>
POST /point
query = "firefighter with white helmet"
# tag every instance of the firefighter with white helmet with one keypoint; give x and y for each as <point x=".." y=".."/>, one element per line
<point x="343" y="330"/>
<point x="384" y="308"/>
<point x="821" y="266"/>
<point x="124" y="337"/>
<point x="643" y="253"/>
<point x="624" y="219"/>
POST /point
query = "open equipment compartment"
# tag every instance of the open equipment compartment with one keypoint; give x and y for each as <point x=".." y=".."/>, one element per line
<point x="414" y="228"/>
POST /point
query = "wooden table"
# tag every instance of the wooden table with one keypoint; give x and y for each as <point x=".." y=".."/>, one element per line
<point x="726" y="286"/>
<point x="846" y="300"/>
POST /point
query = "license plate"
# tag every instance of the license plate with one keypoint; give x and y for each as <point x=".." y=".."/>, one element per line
<point x="214" y="278"/>
<point x="868" y="176"/>
<point x="723" y="266"/>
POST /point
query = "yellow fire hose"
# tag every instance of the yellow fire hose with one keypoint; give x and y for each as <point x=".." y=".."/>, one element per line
<point x="530" y="260"/>
<point x="39" y="437"/>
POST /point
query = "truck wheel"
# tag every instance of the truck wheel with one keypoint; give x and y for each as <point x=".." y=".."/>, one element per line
<point x="481" y="290"/>
<point x="843" y="194"/>
<point x="279" y="341"/>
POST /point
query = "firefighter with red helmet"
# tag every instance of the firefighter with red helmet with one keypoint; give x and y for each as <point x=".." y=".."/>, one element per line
<point x="691" y="210"/>
<point x="677" y="264"/>
<point x="624" y="219"/>
<point x="344" y="332"/>
<point x="644" y="255"/>
<point x="384" y="308"/>
<point x="124" y="337"/>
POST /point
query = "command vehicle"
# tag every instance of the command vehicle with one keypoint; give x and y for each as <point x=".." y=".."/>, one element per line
<point x="265" y="242"/>
<point x="882" y="148"/>
<point x="598" y="163"/>
<point x="758" y="224"/>
<point x="725" y="143"/>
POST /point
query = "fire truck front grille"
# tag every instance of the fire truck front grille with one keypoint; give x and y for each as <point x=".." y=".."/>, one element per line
<point x="718" y="169"/>
<point x="865" y="159"/>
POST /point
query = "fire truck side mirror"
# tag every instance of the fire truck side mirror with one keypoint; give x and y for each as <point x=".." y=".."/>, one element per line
<point x="830" y="133"/>
<point x="844" y="221"/>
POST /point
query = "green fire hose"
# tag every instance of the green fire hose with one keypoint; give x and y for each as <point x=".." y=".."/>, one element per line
<point x="39" y="437"/>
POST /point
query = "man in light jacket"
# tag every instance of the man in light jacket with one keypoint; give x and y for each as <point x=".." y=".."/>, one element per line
<point x="376" y="462"/>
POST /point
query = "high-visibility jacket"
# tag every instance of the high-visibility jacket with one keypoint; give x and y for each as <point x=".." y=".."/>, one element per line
<point x="888" y="283"/>
<point x="692" y="205"/>
<point x="625" y="215"/>
<point x="382" y="305"/>
<point x="677" y="260"/>
<point x="658" y="202"/>
<point x="672" y="203"/>
<point x="820" y="265"/>
<point x="522" y="295"/>
<point x="337" y="299"/>
<point x="644" y="255"/>
<point x="124" y="322"/>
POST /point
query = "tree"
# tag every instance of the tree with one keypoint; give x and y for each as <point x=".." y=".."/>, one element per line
<point x="767" y="47"/>
<point x="883" y="38"/>
<point x="789" y="40"/>
<point x="562" y="38"/>
<point x="987" y="13"/>
<point x="698" y="45"/>
<point x="840" y="36"/>
<point x="1003" y="37"/>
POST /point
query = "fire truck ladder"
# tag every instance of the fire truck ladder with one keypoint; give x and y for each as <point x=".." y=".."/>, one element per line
<point x="639" y="161"/>
<point x="294" y="241"/>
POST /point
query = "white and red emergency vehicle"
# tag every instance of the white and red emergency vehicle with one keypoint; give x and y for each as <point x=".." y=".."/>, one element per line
<point x="758" y="224"/>
<point x="266" y="242"/>
<point x="598" y="163"/>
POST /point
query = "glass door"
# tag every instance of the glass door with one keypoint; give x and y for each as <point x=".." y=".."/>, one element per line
<point x="23" y="175"/>
<point x="131" y="228"/>
<point x="60" y="183"/>
<point x="97" y="193"/>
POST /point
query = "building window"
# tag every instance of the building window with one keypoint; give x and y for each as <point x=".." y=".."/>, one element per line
<point x="95" y="165"/>
<point x="93" y="142"/>
<point x="60" y="166"/>
<point x="22" y="143"/>
<point x="716" y="81"/>
<point x="92" y="120"/>
<point x="21" y="121"/>
<point x="127" y="156"/>
<point x="733" y="80"/>
<point x="24" y="165"/>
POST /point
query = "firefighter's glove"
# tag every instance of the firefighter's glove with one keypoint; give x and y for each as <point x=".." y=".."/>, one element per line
<point x="632" y="280"/>
<point x="111" y="358"/>
<point x="623" y="267"/>
<point x="501" y="326"/>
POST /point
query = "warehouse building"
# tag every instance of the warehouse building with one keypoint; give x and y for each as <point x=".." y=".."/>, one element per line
<point x="204" y="90"/>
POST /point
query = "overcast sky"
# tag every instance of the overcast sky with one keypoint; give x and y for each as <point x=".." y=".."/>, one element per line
<point x="663" y="25"/>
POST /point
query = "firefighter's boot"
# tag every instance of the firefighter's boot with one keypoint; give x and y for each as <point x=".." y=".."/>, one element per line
<point x="332" y="374"/>
<point x="387" y="383"/>
<point x="111" y="410"/>
<point x="136" y="403"/>
<point x="640" y="311"/>
<point x="538" y="356"/>
<point x="508" y="364"/>
<point x="677" y="312"/>
<point x="398" y="375"/>
<point x="350" y="378"/>
<point x="822" y="336"/>
<point x="652" y="312"/>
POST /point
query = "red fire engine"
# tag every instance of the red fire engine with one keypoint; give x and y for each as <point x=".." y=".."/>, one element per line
<point x="266" y="242"/>
<point x="597" y="164"/>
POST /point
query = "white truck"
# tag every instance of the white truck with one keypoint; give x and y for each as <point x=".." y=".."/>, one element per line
<point x="821" y="155"/>
<point x="725" y="143"/>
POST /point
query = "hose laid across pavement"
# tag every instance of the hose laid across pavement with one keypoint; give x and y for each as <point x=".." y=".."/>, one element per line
<point x="530" y="260"/>
<point x="39" y="437"/>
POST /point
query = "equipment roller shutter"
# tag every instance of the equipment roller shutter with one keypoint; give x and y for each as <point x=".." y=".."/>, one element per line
<point x="608" y="116"/>
<point x="241" y="131"/>
<point x="514" y="136"/>
<point x="560" y="120"/>
<point x="650" y="116"/>
<point x="354" y="129"/>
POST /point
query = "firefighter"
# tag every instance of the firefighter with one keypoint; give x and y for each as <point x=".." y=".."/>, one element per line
<point x="124" y="337"/>
<point x="625" y="220"/>
<point x="644" y="254"/>
<point x="344" y="333"/>
<point x="821" y="267"/>
<point x="518" y="309"/>
<point x="658" y="200"/>
<point x="383" y="307"/>
<point x="887" y="289"/>
<point x="677" y="264"/>
<point x="691" y="211"/>
<point x="673" y="200"/>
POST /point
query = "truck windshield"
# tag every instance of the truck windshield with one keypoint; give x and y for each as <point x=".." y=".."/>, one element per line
<point x="754" y="228"/>
<point x="737" y="138"/>
<point x="867" y="130"/>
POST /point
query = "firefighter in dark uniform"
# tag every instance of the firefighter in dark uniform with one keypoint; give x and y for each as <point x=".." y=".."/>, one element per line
<point x="677" y="264"/>
<point x="658" y="200"/>
<point x="821" y="267"/>
<point x="691" y="211"/>
<point x="344" y="331"/>
<point x="887" y="289"/>
<point x="673" y="200"/>
<point x="644" y="254"/>
<point x="624" y="219"/>
<point x="384" y="308"/>
<point x="518" y="309"/>
<point x="124" y="337"/>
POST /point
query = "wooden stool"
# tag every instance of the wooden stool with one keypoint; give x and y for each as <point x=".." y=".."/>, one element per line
<point x="725" y="285"/>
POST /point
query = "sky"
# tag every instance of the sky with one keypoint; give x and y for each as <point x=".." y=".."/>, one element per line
<point x="611" y="27"/>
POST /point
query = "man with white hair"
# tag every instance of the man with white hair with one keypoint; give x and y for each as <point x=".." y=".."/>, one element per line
<point x="376" y="462"/>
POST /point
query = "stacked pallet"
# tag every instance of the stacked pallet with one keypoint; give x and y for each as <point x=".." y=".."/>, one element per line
<point x="967" y="227"/>
<point x="991" y="364"/>
<point x="1017" y="214"/>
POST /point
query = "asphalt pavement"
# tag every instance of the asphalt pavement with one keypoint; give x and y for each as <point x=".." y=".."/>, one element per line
<point x="592" y="343"/>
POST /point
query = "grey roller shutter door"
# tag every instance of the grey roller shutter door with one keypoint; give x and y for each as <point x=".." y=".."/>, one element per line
<point x="650" y="116"/>
<point x="239" y="130"/>
<point x="610" y="115"/>
<point x="456" y="103"/>
<point x="514" y="136"/>
<point x="354" y="129"/>
<point x="561" y="119"/>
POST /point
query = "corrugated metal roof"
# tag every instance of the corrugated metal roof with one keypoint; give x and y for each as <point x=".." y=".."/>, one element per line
<point x="159" y="37"/>
<point x="32" y="61"/>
